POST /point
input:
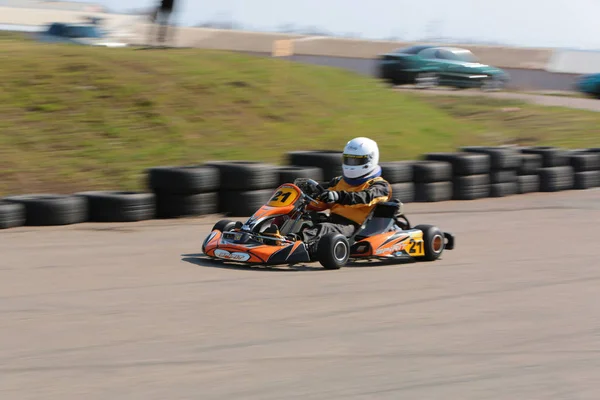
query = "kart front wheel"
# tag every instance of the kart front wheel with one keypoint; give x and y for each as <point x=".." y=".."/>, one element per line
<point x="433" y="240"/>
<point x="223" y="225"/>
<point x="333" y="251"/>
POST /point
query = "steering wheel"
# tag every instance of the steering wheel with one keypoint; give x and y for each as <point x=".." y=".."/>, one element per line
<point x="310" y="187"/>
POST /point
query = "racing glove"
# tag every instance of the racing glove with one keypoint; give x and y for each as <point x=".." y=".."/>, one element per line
<point x="329" y="196"/>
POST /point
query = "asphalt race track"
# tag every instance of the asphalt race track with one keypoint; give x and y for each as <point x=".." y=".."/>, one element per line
<point x="130" y="311"/>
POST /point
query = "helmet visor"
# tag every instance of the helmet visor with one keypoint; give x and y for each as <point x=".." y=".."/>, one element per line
<point x="354" y="160"/>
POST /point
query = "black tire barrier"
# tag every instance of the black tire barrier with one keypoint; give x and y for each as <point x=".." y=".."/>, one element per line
<point x="186" y="205"/>
<point x="330" y="161"/>
<point x="52" y="209"/>
<point x="116" y="206"/>
<point x="245" y="175"/>
<point x="504" y="189"/>
<point x="471" y="187"/>
<point x="584" y="161"/>
<point x="237" y="203"/>
<point x="289" y="173"/>
<point x="12" y="215"/>
<point x="189" y="179"/>
<point x="464" y="163"/>
<point x="436" y="177"/>
<point x="501" y="158"/>
<point x="555" y="179"/>
<point x="433" y="191"/>
<point x="551" y="156"/>
<point x="586" y="180"/>
<point x="530" y="164"/>
<point x="405" y="191"/>
<point x="397" y="171"/>
<point x="432" y="171"/>
<point x="528" y="184"/>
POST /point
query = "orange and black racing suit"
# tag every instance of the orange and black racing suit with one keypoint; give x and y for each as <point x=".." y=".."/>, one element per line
<point x="348" y="213"/>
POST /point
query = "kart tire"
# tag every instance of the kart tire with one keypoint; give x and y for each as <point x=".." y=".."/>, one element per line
<point x="501" y="158"/>
<point x="223" y="225"/>
<point x="114" y="206"/>
<point x="464" y="163"/>
<point x="433" y="192"/>
<point x="289" y="173"/>
<point x="405" y="192"/>
<point x="431" y="171"/>
<point x="587" y="180"/>
<point x="190" y="179"/>
<point x="504" y="189"/>
<point x="503" y="176"/>
<point x="551" y="156"/>
<point x="583" y="162"/>
<point x="433" y="241"/>
<point x="52" y="209"/>
<point x="397" y="171"/>
<point x="330" y="161"/>
<point x="529" y="183"/>
<point x="11" y="215"/>
<point x="186" y="205"/>
<point x="245" y="175"/>
<point x="530" y="164"/>
<point x="333" y="251"/>
<point x="555" y="179"/>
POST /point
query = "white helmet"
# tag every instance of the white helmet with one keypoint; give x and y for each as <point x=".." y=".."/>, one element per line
<point x="361" y="158"/>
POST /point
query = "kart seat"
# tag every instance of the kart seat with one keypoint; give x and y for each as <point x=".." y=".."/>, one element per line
<point x="381" y="220"/>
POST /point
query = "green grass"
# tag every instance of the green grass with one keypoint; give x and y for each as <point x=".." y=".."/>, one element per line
<point x="78" y="118"/>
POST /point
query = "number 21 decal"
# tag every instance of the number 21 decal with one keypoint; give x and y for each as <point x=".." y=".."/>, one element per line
<point x="415" y="247"/>
<point x="282" y="197"/>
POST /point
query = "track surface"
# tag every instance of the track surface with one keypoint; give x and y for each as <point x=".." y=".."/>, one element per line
<point x="580" y="103"/>
<point x="123" y="311"/>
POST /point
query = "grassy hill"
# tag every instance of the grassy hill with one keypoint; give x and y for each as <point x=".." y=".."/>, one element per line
<point x="77" y="118"/>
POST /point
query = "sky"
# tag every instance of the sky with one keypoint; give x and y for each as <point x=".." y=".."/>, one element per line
<point x="543" y="23"/>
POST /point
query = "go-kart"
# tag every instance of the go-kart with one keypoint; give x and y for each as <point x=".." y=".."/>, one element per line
<point x="272" y="236"/>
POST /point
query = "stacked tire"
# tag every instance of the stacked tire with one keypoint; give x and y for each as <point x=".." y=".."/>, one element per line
<point x="528" y="173"/>
<point x="586" y="167"/>
<point x="470" y="173"/>
<point x="555" y="174"/>
<point x="245" y="186"/>
<point x="117" y="206"/>
<point x="400" y="176"/>
<point x="433" y="181"/>
<point x="289" y="173"/>
<point x="329" y="161"/>
<point x="43" y="210"/>
<point x="504" y="164"/>
<point x="184" y="191"/>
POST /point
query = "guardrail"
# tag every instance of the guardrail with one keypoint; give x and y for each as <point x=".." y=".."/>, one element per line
<point x="238" y="188"/>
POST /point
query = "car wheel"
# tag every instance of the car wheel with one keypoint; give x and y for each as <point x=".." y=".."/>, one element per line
<point x="491" y="84"/>
<point x="333" y="251"/>
<point x="427" y="80"/>
<point x="433" y="240"/>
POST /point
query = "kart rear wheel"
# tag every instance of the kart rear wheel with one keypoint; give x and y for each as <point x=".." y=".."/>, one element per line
<point x="333" y="251"/>
<point x="433" y="240"/>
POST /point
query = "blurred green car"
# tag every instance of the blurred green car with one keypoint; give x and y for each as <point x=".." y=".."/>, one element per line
<point x="589" y="85"/>
<point x="431" y="66"/>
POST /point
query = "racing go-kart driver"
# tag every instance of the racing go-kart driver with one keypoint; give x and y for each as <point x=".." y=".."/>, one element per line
<point x="352" y="196"/>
